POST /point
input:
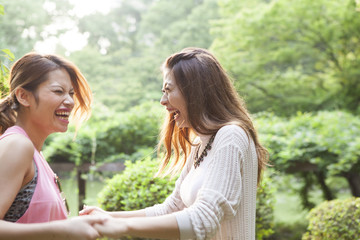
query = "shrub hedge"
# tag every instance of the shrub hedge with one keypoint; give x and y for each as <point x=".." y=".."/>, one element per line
<point x="136" y="188"/>
<point x="336" y="219"/>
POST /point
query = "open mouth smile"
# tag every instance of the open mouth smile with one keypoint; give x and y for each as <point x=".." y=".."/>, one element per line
<point x="63" y="115"/>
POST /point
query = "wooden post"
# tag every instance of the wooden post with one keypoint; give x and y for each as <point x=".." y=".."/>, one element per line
<point x="81" y="187"/>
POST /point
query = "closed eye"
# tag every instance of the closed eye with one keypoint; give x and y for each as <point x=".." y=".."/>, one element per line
<point x="166" y="90"/>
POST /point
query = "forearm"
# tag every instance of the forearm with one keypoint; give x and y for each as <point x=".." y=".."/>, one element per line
<point x="161" y="227"/>
<point x="165" y="227"/>
<point x="128" y="214"/>
<point x="43" y="231"/>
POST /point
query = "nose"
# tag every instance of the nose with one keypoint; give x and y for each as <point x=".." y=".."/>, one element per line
<point x="69" y="101"/>
<point x="163" y="100"/>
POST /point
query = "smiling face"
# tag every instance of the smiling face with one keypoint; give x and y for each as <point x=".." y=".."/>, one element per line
<point x="51" y="108"/>
<point x="174" y="101"/>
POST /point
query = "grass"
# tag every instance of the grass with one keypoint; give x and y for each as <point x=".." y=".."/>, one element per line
<point x="288" y="208"/>
<point x="69" y="186"/>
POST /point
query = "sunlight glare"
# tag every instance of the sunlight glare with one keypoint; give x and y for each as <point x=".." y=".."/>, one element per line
<point x="86" y="7"/>
<point x="72" y="40"/>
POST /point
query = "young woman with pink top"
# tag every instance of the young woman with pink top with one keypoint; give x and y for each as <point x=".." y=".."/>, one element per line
<point x="45" y="90"/>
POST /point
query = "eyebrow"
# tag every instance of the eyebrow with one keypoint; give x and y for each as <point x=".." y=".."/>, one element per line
<point x="167" y="84"/>
<point x="60" y="86"/>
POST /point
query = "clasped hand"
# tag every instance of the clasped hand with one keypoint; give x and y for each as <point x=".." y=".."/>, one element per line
<point x="111" y="227"/>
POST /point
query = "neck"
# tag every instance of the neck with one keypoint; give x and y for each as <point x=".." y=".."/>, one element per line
<point x="204" y="139"/>
<point x="36" y="135"/>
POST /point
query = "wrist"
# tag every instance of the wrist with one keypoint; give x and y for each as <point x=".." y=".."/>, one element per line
<point x="112" y="214"/>
<point x="55" y="228"/>
<point x="130" y="226"/>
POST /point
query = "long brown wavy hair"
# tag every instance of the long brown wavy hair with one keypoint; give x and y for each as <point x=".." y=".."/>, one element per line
<point x="211" y="102"/>
<point x="29" y="72"/>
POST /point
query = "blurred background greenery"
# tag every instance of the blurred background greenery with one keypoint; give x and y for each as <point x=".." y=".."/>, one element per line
<point x="296" y="63"/>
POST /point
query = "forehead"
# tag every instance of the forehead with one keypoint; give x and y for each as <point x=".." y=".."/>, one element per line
<point x="168" y="82"/>
<point x="59" y="77"/>
<point x="168" y="79"/>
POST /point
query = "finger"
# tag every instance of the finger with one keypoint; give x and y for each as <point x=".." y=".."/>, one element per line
<point x="94" y="233"/>
<point x="91" y="220"/>
<point x="86" y="210"/>
<point x="91" y="233"/>
<point x="97" y="220"/>
<point x="99" y="228"/>
<point x="82" y="213"/>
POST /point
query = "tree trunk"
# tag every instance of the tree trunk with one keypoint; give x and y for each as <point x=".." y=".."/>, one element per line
<point x="304" y="191"/>
<point x="327" y="193"/>
<point x="354" y="183"/>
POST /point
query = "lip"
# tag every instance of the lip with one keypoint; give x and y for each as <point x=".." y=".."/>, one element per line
<point x="68" y="110"/>
<point x="63" y="120"/>
<point x="171" y="110"/>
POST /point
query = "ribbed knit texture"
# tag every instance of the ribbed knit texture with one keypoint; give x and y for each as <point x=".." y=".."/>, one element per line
<point x="225" y="203"/>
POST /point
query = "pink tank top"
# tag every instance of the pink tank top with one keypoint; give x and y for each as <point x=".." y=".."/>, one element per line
<point x="46" y="203"/>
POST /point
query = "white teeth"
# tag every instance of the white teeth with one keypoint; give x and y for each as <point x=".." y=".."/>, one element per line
<point x="63" y="114"/>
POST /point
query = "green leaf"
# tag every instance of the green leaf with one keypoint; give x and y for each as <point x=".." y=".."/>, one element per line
<point x="8" y="54"/>
<point x="2" y="12"/>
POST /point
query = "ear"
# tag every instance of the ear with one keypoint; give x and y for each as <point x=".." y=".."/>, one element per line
<point x="23" y="96"/>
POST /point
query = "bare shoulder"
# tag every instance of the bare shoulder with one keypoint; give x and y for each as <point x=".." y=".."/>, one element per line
<point x="16" y="147"/>
<point x="16" y="160"/>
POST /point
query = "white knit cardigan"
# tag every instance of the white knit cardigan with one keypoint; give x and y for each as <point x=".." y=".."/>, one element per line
<point x="217" y="200"/>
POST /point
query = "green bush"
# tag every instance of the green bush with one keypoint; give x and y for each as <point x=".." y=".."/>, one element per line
<point x="288" y="230"/>
<point x="314" y="147"/>
<point x="265" y="209"/>
<point x="107" y="136"/>
<point x="136" y="188"/>
<point x="337" y="219"/>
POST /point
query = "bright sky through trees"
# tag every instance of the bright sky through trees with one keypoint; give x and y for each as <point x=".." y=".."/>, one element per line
<point x="72" y="40"/>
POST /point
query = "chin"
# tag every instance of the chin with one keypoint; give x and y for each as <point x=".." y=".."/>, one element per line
<point x="63" y="129"/>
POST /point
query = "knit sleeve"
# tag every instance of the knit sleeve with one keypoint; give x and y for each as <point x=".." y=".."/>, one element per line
<point x="219" y="197"/>
<point x="173" y="202"/>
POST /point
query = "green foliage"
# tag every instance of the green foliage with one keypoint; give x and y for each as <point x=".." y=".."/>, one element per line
<point x="2" y="12"/>
<point x="136" y="188"/>
<point x="25" y="23"/>
<point x="288" y="56"/>
<point x="108" y="136"/>
<point x="133" y="130"/>
<point x="265" y="209"/>
<point x="189" y="21"/>
<point x="314" y="146"/>
<point x="6" y="56"/>
<point x="337" y="219"/>
<point x="126" y="46"/>
<point x="138" y="41"/>
<point x="288" y="231"/>
<point x="329" y="140"/>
